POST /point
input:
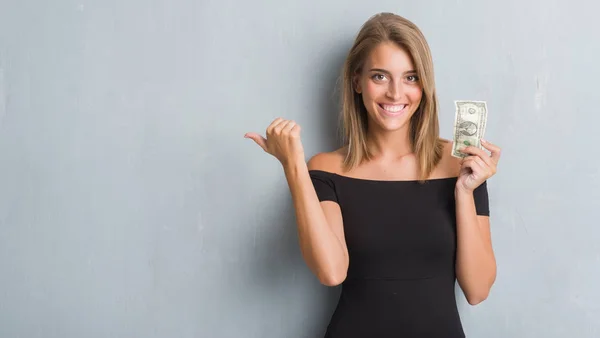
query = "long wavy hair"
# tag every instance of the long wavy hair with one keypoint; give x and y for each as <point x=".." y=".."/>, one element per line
<point x="424" y="125"/>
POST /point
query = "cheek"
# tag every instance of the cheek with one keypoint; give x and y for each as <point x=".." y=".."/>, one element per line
<point x="415" y="93"/>
<point x="373" y="91"/>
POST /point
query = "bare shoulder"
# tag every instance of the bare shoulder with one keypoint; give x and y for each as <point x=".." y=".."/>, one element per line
<point x="449" y="165"/>
<point x="327" y="161"/>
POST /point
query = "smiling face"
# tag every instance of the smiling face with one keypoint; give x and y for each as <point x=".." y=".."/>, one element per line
<point x="390" y="87"/>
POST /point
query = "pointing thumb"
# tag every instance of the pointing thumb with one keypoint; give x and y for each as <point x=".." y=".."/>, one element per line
<point x="261" y="141"/>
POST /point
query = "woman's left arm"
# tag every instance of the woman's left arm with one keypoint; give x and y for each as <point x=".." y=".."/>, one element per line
<point x="475" y="260"/>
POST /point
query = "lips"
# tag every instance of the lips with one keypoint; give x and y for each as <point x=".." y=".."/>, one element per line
<point x="393" y="109"/>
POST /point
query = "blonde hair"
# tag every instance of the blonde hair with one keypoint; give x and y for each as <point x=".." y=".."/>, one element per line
<point x="424" y="125"/>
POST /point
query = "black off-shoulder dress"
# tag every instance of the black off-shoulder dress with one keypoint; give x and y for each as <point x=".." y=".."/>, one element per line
<point x="401" y="238"/>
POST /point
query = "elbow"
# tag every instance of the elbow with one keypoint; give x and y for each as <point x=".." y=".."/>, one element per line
<point x="333" y="274"/>
<point x="332" y="279"/>
<point x="477" y="297"/>
<point x="474" y="300"/>
<point x="476" y="294"/>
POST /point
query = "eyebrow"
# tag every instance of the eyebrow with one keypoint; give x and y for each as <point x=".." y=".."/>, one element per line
<point x="387" y="72"/>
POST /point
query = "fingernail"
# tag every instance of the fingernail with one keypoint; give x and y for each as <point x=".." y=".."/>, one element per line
<point x="484" y="141"/>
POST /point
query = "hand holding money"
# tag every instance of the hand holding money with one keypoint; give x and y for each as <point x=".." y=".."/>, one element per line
<point x="469" y="127"/>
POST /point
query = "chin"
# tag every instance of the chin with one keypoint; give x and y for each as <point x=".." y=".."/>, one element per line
<point x="393" y="126"/>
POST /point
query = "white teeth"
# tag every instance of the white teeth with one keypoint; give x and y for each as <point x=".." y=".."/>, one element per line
<point x="395" y="108"/>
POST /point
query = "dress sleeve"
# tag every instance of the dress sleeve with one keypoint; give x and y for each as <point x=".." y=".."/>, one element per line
<point x="482" y="205"/>
<point x="324" y="185"/>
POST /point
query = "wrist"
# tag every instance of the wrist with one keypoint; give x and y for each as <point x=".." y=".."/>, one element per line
<point x="460" y="192"/>
<point x="294" y="165"/>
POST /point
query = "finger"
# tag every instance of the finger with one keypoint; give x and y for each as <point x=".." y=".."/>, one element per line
<point x="480" y="162"/>
<point x="276" y="130"/>
<point x="488" y="164"/>
<point x="479" y="167"/>
<point x="288" y="127"/>
<point x="468" y="158"/>
<point x="296" y="130"/>
<point x="280" y="126"/>
<point x="476" y="164"/>
<point x="466" y="162"/>
<point x="273" y="125"/>
<point x="494" y="149"/>
<point x="465" y="167"/>
<point x="261" y="141"/>
<point x="470" y="161"/>
<point x="473" y="150"/>
<point x="479" y="153"/>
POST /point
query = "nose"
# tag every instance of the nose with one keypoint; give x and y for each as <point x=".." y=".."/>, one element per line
<point x="394" y="90"/>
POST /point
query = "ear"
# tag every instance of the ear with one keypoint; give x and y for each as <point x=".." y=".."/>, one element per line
<point x="356" y="83"/>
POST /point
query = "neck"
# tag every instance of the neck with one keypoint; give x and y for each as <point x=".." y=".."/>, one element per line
<point x="389" y="145"/>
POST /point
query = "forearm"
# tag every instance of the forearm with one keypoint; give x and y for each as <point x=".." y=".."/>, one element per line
<point x="320" y="247"/>
<point x="475" y="262"/>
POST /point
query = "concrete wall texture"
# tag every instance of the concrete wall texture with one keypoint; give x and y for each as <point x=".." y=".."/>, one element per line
<point x="132" y="206"/>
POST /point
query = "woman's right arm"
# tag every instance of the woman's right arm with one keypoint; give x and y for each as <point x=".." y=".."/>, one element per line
<point x="320" y="229"/>
<point x="320" y="226"/>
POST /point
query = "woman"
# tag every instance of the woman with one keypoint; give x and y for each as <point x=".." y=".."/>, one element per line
<point x="392" y="216"/>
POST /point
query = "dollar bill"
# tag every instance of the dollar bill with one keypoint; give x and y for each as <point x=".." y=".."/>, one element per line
<point x="469" y="125"/>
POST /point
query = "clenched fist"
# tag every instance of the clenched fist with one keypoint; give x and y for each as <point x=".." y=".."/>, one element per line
<point x="283" y="141"/>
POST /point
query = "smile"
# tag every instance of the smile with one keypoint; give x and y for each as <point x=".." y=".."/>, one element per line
<point x="392" y="109"/>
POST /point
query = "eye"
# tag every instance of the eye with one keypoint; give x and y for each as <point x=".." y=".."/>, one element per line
<point x="412" y="78"/>
<point x="378" y="77"/>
